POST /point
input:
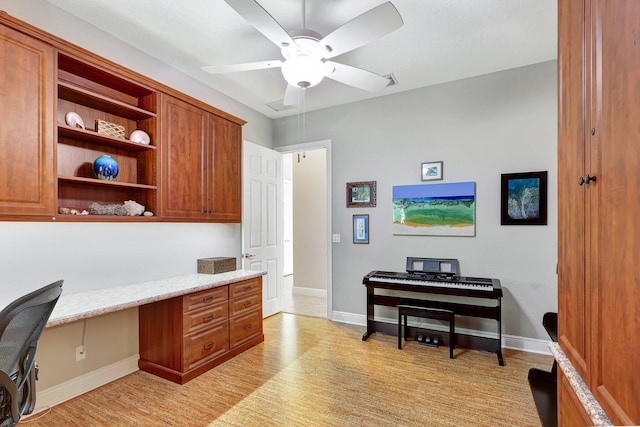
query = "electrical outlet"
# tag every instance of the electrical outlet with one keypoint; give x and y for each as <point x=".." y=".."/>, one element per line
<point x="335" y="238"/>
<point x="80" y="353"/>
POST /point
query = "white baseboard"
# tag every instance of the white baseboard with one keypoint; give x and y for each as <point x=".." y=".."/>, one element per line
<point x="310" y="292"/>
<point x="531" y="345"/>
<point x="84" y="383"/>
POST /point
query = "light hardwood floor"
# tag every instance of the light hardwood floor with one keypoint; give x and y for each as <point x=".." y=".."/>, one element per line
<point x="313" y="372"/>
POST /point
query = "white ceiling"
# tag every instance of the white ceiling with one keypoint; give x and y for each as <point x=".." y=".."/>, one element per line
<point x="440" y="41"/>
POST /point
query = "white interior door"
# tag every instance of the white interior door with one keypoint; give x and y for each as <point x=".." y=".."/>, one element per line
<point x="262" y="221"/>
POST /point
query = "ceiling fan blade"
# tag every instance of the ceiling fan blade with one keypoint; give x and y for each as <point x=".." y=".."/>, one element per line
<point x="357" y="77"/>
<point x="292" y="95"/>
<point x="257" y="16"/>
<point x="249" y="66"/>
<point x="365" y="28"/>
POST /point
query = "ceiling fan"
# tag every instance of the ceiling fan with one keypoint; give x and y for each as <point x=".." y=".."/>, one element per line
<point x="307" y="54"/>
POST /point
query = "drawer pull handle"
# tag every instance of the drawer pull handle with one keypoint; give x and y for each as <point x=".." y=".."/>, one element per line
<point x="247" y="303"/>
<point x="207" y="299"/>
<point x="248" y="288"/>
<point x="207" y="318"/>
<point x="247" y="328"/>
<point x="208" y="345"/>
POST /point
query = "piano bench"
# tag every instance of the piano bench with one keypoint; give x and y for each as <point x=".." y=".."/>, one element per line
<point x="405" y="310"/>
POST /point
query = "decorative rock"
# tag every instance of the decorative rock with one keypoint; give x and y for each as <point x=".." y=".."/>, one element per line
<point x="133" y="208"/>
<point x="148" y="213"/>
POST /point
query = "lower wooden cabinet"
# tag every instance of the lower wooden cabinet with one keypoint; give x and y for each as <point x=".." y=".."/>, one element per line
<point x="183" y="337"/>
<point x="571" y="412"/>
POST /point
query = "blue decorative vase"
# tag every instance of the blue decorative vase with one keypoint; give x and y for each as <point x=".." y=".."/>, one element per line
<point x="105" y="168"/>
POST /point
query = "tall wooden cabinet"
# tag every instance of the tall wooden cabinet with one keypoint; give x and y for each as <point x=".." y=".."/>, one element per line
<point x="27" y="99"/>
<point x="598" y="226"/>
<point x="200" y="163"/>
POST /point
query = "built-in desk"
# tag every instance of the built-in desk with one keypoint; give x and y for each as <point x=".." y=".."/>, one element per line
<point x="187" y="324"/>
<point x="84" y="305"/>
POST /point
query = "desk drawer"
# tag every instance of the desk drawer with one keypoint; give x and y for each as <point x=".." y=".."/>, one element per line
<point x="246" y="303"/>
<point x="207" y="344"/>
<point x="204" y="317"/>
<point x="241" y="289"/>
<point x="204" y="298"/>
<point x="245" y="327"/>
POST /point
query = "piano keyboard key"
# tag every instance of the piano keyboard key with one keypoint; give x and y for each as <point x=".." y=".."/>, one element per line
<point x="438" y="284"/>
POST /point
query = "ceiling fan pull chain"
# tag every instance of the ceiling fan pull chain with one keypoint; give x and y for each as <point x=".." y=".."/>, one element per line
<point x="304" y="14"/>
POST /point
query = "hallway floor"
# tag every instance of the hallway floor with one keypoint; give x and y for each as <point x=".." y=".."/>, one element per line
<point x="302" y="304"/>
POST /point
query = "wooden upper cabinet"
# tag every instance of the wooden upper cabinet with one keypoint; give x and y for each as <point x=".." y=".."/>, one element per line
<point x="190" y="169"/>
<point x="183" y="160"/>
<point x="227" y="170"/>
<point x="200" y="164"/>
<point x="27" y="97"/>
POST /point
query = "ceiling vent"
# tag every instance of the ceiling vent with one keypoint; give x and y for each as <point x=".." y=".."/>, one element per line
<point x="392" y="79"/>
<point x="279" y="106"/>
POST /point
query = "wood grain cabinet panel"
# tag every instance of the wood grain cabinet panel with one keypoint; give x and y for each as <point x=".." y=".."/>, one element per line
<point x="27" y="100"/>
<point x="200" y="163"/>
<point x="183" y="337"/>
<point x="200" y="347"/>
<point x="571" y="413"/>
<point x="599" y="231"/>
<point x="245" y="311"/>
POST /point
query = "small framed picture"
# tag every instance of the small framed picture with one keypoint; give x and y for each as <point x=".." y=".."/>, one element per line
<point x="524" y="198"/>
<point x="432" y="171"/>
<point x="361" y="229"/>
<point x="361" y="194"/>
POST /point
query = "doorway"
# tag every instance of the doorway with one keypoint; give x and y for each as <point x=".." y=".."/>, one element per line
<point x="307" y="219"/>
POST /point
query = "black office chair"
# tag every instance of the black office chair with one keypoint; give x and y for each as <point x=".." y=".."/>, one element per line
<point x="21" y="324"/>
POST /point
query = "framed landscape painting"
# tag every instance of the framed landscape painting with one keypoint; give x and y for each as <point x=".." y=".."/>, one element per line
<point x="361" y="194"/>
<point x="435" y="209"/>
<point x="524" y="198"/>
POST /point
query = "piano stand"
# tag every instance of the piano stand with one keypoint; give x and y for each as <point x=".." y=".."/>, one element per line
<point x="405" y="310"/>
<point x="494" y="312"/>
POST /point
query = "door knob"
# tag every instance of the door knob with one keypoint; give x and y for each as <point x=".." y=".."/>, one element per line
<point x="249" y="256"/>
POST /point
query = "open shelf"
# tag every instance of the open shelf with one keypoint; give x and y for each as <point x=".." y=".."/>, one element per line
<point x="94" y="100"/>
<point x="97" y="93"/>
<point x="97" y="138"/>
<point x="100" y="182"/>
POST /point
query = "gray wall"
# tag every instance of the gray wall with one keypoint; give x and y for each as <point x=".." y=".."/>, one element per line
<point x="480" y="128"/>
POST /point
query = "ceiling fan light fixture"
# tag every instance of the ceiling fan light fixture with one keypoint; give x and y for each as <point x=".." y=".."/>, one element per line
<point x="303" y="71"/>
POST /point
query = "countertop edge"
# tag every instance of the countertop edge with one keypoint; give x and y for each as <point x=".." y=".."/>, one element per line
<point x="84" y="305"/>
<point x="589" y="402"/>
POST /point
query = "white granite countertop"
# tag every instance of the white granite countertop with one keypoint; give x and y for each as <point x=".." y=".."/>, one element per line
<point x="590" y="404"/>
<point x="83" y="305"/>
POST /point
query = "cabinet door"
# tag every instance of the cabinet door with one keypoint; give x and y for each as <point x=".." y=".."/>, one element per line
<point x="571" y="413"/>
<point x="227" y="170"/>
<point x="27" y="73"/>
<point x="615" y="334"/>
<point x="184" y="168"/>
<point x="573" y="295"/>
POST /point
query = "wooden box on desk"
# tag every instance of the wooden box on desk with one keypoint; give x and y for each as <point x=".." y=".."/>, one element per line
<point x="216" y="265"/>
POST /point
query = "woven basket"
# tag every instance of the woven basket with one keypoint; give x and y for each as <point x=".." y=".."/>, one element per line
<point x="109" y="129"/>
